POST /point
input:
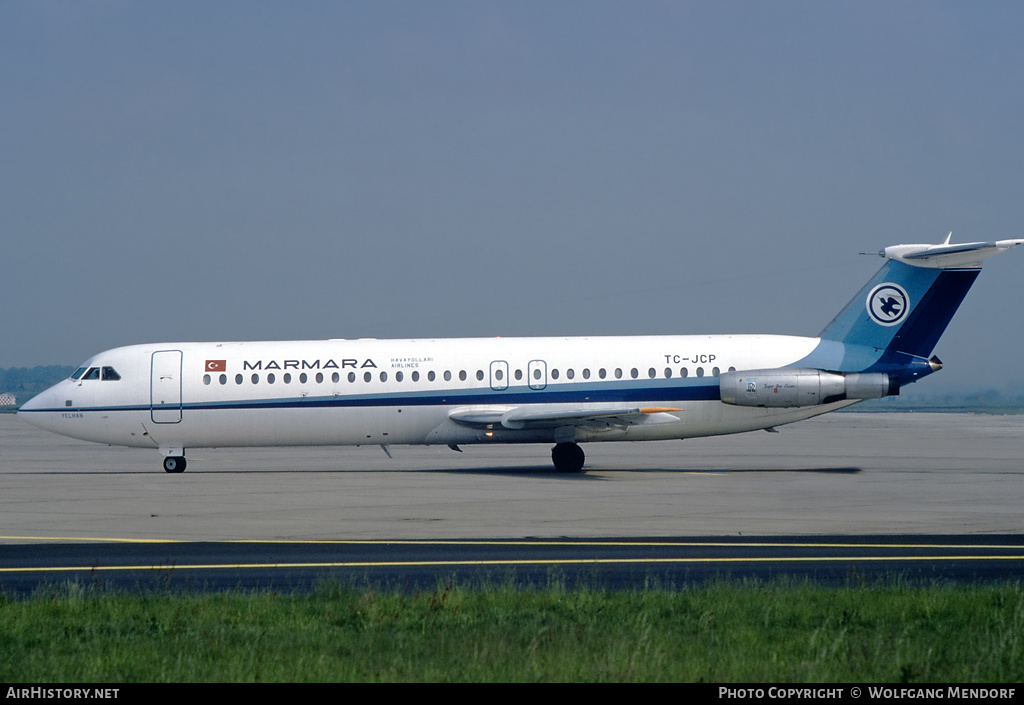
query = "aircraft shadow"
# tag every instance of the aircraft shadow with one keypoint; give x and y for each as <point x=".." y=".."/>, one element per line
<point x="595" y="473"/>
<point x="830" y="471"/>
<point x="532" y="471"/>
<point x="844" y="470"/>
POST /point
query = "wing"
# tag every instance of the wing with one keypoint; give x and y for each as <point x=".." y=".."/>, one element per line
<point x="536" y="416"/>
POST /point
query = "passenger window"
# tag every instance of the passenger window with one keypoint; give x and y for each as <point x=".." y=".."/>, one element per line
<point x="206" y="379"/>
<point x="303" y="378"/>
<point x="634" y="373"/>
<point x="255" y="379"/>
<point x="618" y="373"/>
<point x="480" y="375"/>
<point x="447" y="376"/>
<point x="652" y="373"/>
<point x="586" y="373"/>
<point x="431" y="376"/>
<point x="519" y="374"/>
<point x="715" y="371"/>
<point x="383" y="376"/>
<point x="319" y="377"/>
<point x="399" y="376"/>
<point x="570" y="373"/>
<point x="668" y="373"/>
<point x="601" y="373"/>
<point x="223" y="379"/>
<point x="415" y="376"/>
<point x="287" y="378"/>
<point x="335" y="377"/>
<point x="684" y="372"/>
<point x="462" y="375"/>
<point x="367" y="376"/>
<point x="700" y="371"/>
<point x="238" y="379"/>
<point x="271" y="378"/>
<point x="554" y="373"/>
<point x="351" y="376"/>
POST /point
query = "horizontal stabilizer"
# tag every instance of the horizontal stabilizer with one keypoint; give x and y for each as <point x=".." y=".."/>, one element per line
<point x="968" y="255"/>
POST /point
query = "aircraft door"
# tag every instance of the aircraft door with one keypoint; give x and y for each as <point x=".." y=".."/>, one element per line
<point x="165" y="387"/>
<point x="499" y="375"/>
<point x="537" y="374"/>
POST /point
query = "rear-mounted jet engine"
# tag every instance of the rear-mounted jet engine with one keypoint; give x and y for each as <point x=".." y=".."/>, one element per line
<point x="787" y="388"/>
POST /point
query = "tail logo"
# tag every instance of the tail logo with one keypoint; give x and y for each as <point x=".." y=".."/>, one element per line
<point x="888" y="304"/>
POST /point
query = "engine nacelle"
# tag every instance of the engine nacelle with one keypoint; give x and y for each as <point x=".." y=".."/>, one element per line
<point x="787" y="388"/>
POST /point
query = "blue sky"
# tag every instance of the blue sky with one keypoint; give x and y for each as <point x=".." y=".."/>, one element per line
<point x="258" y="170"/>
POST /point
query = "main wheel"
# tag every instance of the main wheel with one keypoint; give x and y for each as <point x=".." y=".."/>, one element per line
<point x="567" y="457"/>
<point x="174" y="463"/>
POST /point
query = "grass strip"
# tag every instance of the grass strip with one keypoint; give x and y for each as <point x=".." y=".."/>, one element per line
<point x="778" y="632"/>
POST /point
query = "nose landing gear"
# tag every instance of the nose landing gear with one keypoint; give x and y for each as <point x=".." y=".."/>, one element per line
<point x="174" y="463"/>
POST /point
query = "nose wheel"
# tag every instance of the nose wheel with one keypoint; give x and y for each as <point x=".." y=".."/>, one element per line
<point x="174" y="463"/>
<point x="567" y="457"/>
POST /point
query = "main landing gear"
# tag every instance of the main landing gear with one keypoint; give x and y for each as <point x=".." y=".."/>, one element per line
<point x="567" y="457"/>
<point x="174" y="463"/>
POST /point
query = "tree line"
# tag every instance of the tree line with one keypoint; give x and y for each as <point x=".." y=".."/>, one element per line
<point x="26" y="381"/>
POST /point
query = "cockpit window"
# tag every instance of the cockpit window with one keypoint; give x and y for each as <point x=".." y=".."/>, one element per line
<point x="93" y="373"/>
<point x="110" y="373"/>
<point x="77" y="374"/>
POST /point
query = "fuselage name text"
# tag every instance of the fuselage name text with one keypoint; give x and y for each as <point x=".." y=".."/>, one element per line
<point x="306" y="364"/>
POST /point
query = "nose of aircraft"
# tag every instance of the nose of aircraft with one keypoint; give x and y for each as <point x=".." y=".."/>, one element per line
<point x="33" y="404"/>
<point x="34" y="409"/>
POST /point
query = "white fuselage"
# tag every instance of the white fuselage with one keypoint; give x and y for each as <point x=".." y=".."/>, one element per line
<point x="354" y="392"/>
<point x="173" y="396"/>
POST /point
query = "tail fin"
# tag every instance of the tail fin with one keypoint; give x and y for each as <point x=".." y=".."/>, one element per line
<point x="907" y="305"/>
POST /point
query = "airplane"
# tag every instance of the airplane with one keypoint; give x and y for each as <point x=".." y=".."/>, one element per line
<point x="566" y="391"/>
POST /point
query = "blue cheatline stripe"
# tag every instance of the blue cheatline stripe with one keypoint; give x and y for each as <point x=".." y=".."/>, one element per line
<point x="692" y="392"/>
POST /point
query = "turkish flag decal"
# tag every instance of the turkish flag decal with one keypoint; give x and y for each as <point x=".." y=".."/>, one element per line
<point x="216" y="365"/>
